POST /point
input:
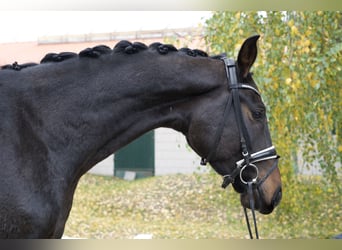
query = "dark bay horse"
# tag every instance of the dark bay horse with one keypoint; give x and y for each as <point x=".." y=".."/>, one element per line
<point x="70" y="111"/>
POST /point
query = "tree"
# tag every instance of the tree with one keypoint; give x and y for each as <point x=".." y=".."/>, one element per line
<point x="299" y="72"/>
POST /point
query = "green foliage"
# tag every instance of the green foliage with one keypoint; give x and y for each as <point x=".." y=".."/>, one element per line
<point x="299" y="72"/>
<point x="310" y="209"/>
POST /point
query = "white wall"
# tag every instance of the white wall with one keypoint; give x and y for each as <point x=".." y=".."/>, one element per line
<point x="172" y="153"/>
<point x="105" y="167"/>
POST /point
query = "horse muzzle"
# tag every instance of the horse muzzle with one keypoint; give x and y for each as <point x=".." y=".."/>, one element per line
<point x="261" y="204"/>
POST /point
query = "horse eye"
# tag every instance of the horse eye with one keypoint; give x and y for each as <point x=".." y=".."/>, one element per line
<point x="258" y="115"/>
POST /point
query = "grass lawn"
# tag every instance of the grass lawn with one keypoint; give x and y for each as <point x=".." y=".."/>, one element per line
<point x="195" y="207"/>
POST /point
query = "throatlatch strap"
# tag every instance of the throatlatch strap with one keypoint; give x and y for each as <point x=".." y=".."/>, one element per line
<point x="219" y="132"/>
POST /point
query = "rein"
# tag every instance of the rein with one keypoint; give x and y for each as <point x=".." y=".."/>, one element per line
<point x="249" y="160"/>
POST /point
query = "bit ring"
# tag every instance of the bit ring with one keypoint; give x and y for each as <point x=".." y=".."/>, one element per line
<point x="244" y="168"/>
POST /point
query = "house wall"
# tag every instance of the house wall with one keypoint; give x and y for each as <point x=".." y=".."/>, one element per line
<point x="173" y="155"/>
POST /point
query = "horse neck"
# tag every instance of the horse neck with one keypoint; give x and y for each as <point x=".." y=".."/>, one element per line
<point x="92" y="107"/>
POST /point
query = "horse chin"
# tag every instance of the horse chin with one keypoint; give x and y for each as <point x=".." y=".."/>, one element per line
<point x="259" y="202"/>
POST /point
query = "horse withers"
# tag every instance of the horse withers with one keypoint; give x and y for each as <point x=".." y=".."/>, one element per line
<point x="64" y="115"/>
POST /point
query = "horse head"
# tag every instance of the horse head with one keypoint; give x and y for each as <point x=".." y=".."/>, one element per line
<point x="231" y="132"/>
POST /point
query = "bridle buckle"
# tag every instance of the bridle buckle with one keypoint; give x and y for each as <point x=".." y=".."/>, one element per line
<point x="245" y="154"/>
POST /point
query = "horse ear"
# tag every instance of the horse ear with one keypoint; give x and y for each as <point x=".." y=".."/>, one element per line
<point x="247" y="55"/>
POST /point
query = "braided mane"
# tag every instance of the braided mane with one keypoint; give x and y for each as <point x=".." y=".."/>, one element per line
<point x="123" y="47"/>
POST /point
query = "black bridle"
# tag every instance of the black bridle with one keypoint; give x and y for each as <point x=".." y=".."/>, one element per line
<point x="249" y="160"/>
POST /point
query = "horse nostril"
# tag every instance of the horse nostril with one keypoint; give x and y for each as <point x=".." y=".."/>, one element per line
<point x="277" y="197"/>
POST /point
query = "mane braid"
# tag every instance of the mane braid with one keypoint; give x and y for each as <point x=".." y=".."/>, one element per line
<point x="188" y="51"/>
<point x="123" y="46"/>
<point x="200" y="53"/>
<point x="128" y="47"/>
<point x="95" y="52"/>
<point x="53" y="57"/>
<point x="17" y="67"/>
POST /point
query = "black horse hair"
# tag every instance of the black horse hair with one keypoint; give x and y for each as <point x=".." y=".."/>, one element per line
<point x="123" y="47"/>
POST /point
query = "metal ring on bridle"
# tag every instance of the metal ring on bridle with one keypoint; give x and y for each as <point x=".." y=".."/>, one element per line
<point x="254" y="180"/>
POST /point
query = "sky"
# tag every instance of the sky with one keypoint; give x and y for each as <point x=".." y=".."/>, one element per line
<point x="21" y="26"/>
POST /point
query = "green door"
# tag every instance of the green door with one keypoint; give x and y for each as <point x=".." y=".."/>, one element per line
<point x="137" y="158"/>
